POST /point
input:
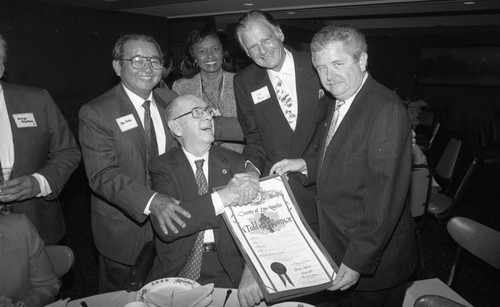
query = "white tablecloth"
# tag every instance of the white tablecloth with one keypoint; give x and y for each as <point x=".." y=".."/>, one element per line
<point x="120" y="298"/>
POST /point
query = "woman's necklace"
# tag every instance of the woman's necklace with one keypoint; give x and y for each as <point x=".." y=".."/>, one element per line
<point x="212" y="91"/>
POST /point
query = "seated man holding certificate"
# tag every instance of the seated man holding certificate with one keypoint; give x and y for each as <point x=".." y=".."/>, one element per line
<point x="203" y="250"/>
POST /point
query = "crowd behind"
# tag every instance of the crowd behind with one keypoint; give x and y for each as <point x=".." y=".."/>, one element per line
<point x="153" y="155"/>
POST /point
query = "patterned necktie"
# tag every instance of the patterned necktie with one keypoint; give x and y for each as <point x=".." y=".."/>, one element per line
<point x="286" y="102"/>
<point x="333" y="124"/>
<point x="192" y="269"/>
<point x="149" y="128"/>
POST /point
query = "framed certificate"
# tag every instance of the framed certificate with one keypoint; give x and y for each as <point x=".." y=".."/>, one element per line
<point x="285" y="257"/>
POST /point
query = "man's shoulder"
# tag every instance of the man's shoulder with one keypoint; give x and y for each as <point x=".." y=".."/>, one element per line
<point x="18" y="88"/>
<point x="248" y="72"/>
<point x="231" y="156"/>
<point x="105" y="100"/>
<point x="166" y="160"/>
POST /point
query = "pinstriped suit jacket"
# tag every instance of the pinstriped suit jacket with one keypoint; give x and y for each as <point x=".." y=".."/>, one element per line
<point x="362" y="188"/>
<point x="117" y="169"/>
<point x="48" y="149"/>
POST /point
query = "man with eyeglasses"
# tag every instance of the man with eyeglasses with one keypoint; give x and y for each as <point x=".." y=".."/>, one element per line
<point x="120" y="132"/>
<point x="189" y="173"/>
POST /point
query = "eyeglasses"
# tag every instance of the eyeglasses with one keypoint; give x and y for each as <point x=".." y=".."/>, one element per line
<point x="198" y="112"/>
<point x="139" y="62"/>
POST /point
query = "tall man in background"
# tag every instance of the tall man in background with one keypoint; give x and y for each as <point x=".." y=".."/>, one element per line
<point x="120" y="132"/>
<point x="363" y="176"/>
<point x="40" y="152"/>
<point x="279" y="106"/>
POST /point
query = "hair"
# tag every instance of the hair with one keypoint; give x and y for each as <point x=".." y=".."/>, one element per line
<point x="353" y="40"/>
<point x="251" y="16"/>
<point x="3" y="49"/>
<point x="195" y="37"/>
<point x="118" y="47"/>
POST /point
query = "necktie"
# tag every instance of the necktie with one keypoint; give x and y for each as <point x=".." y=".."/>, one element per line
<point x="286" y="102"/>
<point x="333" y="124"/>
<point x="192" y="269"/>
<point x="149" y="128"/>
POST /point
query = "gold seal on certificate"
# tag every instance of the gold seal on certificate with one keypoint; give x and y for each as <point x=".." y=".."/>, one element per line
<point x="284" y="255"/>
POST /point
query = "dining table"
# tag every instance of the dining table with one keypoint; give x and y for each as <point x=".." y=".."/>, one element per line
<point x="120" y="298"/>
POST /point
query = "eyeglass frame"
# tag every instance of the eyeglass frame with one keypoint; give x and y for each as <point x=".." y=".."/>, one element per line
<point x="147" y="58"/>
<point x="210" y="110"/>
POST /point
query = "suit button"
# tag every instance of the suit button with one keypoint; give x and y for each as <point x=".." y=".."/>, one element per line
<point x="272" y="153"/>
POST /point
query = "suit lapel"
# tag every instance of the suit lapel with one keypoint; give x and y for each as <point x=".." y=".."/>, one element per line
<point x="125" y="108"/>
<point x="343" y="131"/>
<point x="270" y="109"/>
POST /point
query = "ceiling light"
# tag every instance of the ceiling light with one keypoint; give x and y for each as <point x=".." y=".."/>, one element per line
<point x="248" y="4"/>
<point x="469" y="2"/>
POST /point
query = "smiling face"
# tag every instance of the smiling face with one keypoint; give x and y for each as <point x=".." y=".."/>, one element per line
<point x="140" y="81"/>
<point x="195" y="134"/>
<point x="208" y="54"/>
<point x="340" y="73"/>
<point x="264" y="44"/>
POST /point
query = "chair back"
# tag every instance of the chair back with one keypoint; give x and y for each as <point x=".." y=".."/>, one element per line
<point x="445" y="167"/>
<point x="476" y="238"/>
<point x="432" y="300"/>
<point x="420" y="189"/>
<point x="61" y="257"/>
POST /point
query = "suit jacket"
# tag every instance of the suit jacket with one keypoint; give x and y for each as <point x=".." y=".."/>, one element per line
<point x="171" y="174"/>
<point x="23" y="261"/>
<point x="362" y="189"/>
<point x="48" y="149"/>
<point x="268" y="135"/>
<point x="117" y="169"/>
<point x="227" y="107"/>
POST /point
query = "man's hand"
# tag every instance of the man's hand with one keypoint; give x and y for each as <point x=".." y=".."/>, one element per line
<point x="345" y="279"/>
<point x="288" y="165"/>
<point x="165" y="209"/>
<point x="20" y="188"/>
<point x="249" y="293"/>
<point x="242" y="187"/>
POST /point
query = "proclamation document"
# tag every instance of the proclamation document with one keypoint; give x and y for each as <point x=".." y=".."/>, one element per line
<point x="284" y="255"/>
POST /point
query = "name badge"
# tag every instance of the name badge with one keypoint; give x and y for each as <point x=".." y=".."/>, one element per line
<point x="260" y="95"/>
<point x="24" y="120"/>
<point x="126" y="122"/>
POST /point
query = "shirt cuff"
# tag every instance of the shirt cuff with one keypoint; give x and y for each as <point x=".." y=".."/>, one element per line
<point x="247" y="162"/>
<point x="146" y="210"/>
<point x="218" y="205"/>
<point x="44" y="185"/>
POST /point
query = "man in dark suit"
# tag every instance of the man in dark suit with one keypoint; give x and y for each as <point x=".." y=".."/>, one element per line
<point x="39" y="148"/>
<point x="279" y="104"/>
<point x="189" y="173"/>
<point x="120" y="132"/>
<point x="363" y="178"/>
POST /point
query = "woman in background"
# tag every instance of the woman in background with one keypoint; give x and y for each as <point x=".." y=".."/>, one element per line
<point x="26" y="274"/>
<point x="205" y="78"/>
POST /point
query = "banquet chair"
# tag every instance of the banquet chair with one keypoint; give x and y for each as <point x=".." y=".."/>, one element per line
<point x="431" y="300"/>
<point x="61" y="257"/>
<point x="136" y="276"/>
<point x="478" y="239"/>
<point x="428" y="127"/>
<point x="420" y="192"/>
<point x="440" y="204"/>
<point x="446" y="165"/>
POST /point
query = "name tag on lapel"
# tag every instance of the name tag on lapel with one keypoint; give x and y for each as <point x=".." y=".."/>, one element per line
<point x="126" y="122"/>
<point x="24" y="120"/>
<point x="260" y="95"/>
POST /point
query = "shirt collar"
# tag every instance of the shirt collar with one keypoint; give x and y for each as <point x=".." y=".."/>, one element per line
<point x="136" y="100"/>
<point x="191" y="158"/>
<point x="349" y="100"/>
<point x="288" y="67"/>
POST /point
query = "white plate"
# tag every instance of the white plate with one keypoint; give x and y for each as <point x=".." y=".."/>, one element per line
<point x="178" y="284"/>
<point x="292" y="304"/>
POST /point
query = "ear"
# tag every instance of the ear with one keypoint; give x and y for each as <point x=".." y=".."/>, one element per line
<point x="280" y="34"/>
<point x="175" y="128"/>
<point x="363" y="61"/>
<point x="117" y="67"/>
